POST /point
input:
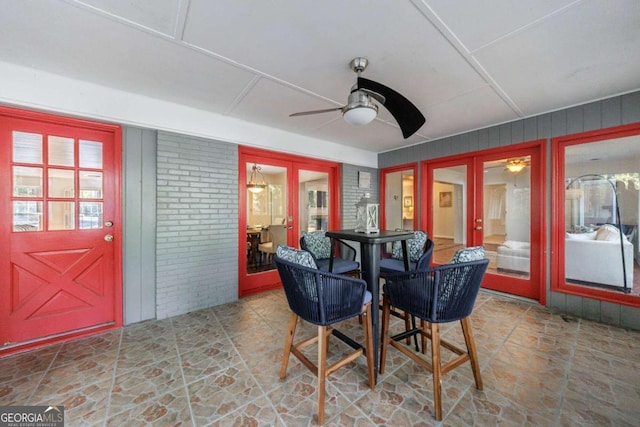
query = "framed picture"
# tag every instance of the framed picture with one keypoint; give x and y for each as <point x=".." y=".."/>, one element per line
<point x="446" y="199"/>
<point x="408" y="201"/>
<point x="364" y="179"/>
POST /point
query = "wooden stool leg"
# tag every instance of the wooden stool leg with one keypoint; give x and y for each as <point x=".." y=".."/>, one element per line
<point x="291" y="331"/>
<point x="423" y="337"/>
<point x="437" y="374"/>
<point x="368" y="338"/>
<point x="386" y="310"/>
<point x="471" y="349"/>
<point x="322" y="370"/>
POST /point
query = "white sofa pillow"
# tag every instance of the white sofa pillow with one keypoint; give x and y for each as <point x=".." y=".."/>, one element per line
<point x="608" y="233"/>
<point x="514" y="244"/>
<point x="582" y="236"/>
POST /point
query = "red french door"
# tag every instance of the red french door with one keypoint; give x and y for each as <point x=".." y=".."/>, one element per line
<point x="294" y="194"/>
<point x="495" y="199"/>
<point x="61" y="229"/>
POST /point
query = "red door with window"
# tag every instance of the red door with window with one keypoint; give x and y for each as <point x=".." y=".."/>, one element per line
<point x="61" y="229"/>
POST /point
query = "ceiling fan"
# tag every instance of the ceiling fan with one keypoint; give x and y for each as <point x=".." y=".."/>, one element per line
<point x="361" y="109"/>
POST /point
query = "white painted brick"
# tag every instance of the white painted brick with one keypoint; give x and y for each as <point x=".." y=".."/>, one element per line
<point x="197" y="211"/>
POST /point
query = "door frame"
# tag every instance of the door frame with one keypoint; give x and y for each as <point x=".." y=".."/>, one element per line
<point x="116" y="230"/>
<point x="474" y="162"/>
<point x="264" y="281"/>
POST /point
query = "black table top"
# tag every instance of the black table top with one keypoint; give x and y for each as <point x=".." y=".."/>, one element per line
<point x="383" y="236"/>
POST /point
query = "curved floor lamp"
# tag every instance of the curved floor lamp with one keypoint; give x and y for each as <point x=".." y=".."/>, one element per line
<point x="613" y="188"/>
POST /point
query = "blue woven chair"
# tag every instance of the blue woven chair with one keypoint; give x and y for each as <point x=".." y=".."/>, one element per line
<point x="419" y="260"/>
<point x="419" y="256"/>
<point x="322" y="299"/>
<point x="320" y="247"/>
<point x="439" y="295"/>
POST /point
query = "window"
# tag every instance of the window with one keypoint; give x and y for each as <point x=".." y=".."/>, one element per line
<point x="596" y="215"/>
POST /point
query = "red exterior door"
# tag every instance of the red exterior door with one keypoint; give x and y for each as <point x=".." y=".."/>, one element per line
<point x="61" y="230"/>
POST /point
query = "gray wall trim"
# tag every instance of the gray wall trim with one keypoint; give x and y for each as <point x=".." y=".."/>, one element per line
<point x="618" y="110"/>
<point x="139" y="224"/>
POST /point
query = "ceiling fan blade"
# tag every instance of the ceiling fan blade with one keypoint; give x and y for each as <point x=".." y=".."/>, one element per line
<point x="409" y="118"/>
<point x="307" y="113"/>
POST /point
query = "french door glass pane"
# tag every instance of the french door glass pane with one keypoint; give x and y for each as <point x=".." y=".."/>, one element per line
<point x="313" y="188"/>
<point x="506" y="223"/>
<point x="399" y="203"/>
<point x="449" y="212"/>
<point x="266" y="215"/>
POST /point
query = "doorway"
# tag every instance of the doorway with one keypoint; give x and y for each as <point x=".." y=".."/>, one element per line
<point x="61" y="203"/>
<point x="280" y="197"/>
<point x="492" y="199"/>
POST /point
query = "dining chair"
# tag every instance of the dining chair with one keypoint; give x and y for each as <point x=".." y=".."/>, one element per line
<point x="322" y="299"/>
<point x="319" y="246"/>
<point x="420" y="251"/>
<point x="442" y="294"/>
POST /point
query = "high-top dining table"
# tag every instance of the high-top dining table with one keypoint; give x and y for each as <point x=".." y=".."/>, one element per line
<point x="370" y="264"/>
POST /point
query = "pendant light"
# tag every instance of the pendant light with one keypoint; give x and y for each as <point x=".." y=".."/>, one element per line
<point x="256" y="180"/>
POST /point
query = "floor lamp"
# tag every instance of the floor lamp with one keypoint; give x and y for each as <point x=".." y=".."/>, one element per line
<point x="613" y="188"/>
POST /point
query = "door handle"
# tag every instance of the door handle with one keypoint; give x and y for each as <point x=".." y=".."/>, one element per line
<point x="108" y="238"/>
<point x="478" y="228"/>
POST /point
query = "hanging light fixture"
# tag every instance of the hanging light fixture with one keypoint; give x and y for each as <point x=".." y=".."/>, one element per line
<point x="516" y="165"/>
<point x="256" y="180"/>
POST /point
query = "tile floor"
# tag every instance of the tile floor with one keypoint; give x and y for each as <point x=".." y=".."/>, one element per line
<point x="220" y="367"/>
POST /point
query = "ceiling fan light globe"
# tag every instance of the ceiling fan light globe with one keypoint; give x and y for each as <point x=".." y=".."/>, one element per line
<point x="361" y="115"/>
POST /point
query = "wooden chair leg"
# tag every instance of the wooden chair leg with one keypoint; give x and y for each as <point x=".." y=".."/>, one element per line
<point x="368" y="338"/>
<point x="471" y="349"/>
<point x="322" y="370"/>
<point x="288" y="342"/>
<point x="423" y="337"/>
<point x="437" y="373"/>
<point x="384" y="341"/>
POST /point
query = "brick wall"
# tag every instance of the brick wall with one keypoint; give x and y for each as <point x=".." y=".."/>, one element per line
<point x="197" y="223"/>
<point x="351" y="193"/>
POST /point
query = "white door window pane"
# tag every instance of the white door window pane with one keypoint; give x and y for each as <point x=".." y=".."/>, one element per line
<point x="61" y="215"/>
<point x="90" y="154"/>
<point x="61" y="183"/>
<point x="27" y="181"/>
<point x="90" y="185"/>
<point x="60" y="151"/>
<point x="27" y="216"/>
<point x="27" y="147"/>
<point x="90" y="215"/>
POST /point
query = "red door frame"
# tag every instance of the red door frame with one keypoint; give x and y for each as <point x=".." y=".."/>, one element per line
<point x="558" y="283"/>
<point x="383" y="185"/>
<point x="260" y="282"/>
<point x="116" y="230"/>
<point x="474" y="162"/>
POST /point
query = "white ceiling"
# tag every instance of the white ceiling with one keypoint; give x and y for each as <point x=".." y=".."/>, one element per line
<point x="465" y="64"/>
